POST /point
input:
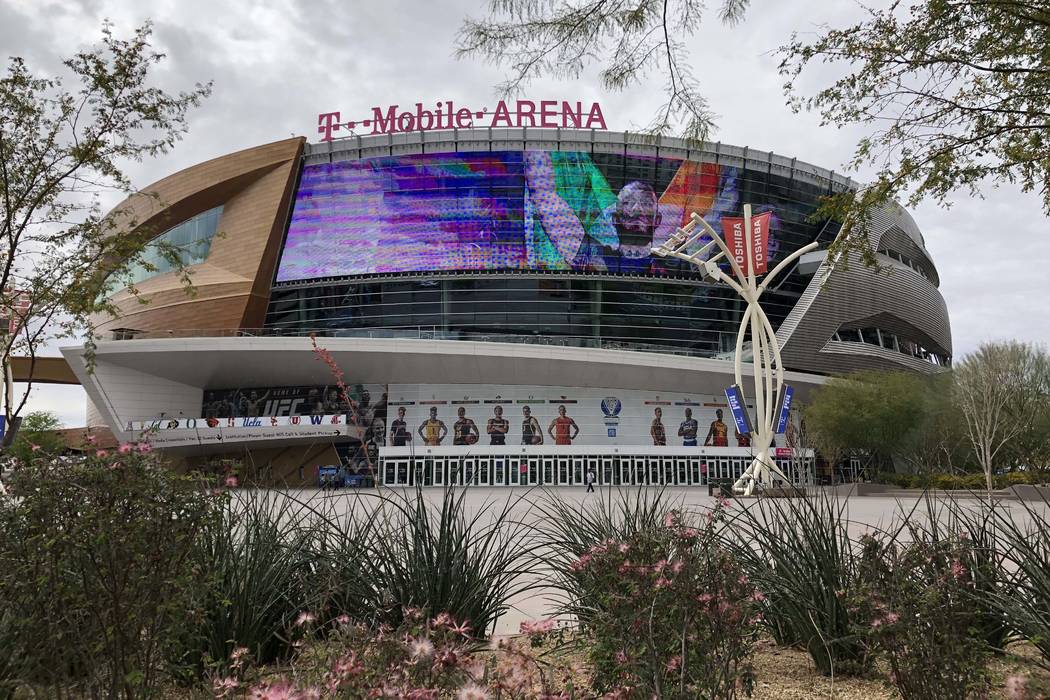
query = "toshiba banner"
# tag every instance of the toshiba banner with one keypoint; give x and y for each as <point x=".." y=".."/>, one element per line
<point x="733" y="231"/>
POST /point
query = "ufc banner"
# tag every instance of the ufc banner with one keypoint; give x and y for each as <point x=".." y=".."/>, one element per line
<point x="733" y="231"/>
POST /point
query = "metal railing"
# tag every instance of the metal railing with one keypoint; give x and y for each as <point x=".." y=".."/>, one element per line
<point x="420" y="333"/>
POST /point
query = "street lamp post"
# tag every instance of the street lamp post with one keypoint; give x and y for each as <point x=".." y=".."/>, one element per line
<point x="765" y="350"/>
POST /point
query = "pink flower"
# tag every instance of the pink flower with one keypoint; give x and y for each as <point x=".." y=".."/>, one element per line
<point x="677" y="566"/>
<point x="687" y="533"/>
<point x="892" y="617"/>
<point x="536" y="627"/>
<point x="144" y="448"/>
<point x="125" y="447"/>
<point x="343" y="620"/>
<point x="442" y="620"/>
<point x="281" y="690"/>
<point x="224" y="687"/>
<point x="662" y="583"/>
<point x="1016" y="687"/>
<point x="472" y="692"/>
<point x="34" y="448"/>
<point x="101" y="453"/>
<point x="238" y="654"/>
<point x="757" y="596"/>
<point x="958" y="570"/>
<point x="580" y="563"/>
<point x="624" y="547"/>
<point x="305" y="618"/>
<point x="671" y="519"/>
<point x="674" y="663"/>
<point x="231" y="481"/>
<point x="463" y="629"/>
<point x="421" y="648"/>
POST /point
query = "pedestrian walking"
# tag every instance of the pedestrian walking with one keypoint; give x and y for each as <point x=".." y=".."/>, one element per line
<point x="589" y="480"/>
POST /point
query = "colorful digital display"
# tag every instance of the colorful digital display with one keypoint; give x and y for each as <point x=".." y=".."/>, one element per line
<point x="513" y="210"/>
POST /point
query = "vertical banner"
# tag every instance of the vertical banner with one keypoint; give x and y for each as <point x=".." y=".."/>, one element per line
<point x="733" y="231"/>
<point x="739" y="409"/>
<point x="785" y="409"/>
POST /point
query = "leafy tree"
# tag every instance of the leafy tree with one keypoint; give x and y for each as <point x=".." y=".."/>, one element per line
<point x="882" y="413"/>
<point x="37" y="437"/>
<point x="628" y="39"/>
<point x="1002" y="389"/>
<point x="956" y="91"/>
<point x="61" y="150"/>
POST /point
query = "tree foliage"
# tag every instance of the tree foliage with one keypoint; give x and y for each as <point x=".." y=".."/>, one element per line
<point x="37" y="437"/>
<point x="1003" y="391"/>
<point x="629" y="40"/>
<point x="887" y="414"/>
<point x="61" y="150"/>
<point x="957" y="93"/>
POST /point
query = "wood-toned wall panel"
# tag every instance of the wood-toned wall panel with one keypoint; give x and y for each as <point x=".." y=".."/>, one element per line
<point x="255" y="188"/>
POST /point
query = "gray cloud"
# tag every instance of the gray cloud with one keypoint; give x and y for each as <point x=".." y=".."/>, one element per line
<point x="277" y="64"/>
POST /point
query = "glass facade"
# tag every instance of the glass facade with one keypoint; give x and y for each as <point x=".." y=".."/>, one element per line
<point x="585" y="300"/>
<point x="188" y="242"/>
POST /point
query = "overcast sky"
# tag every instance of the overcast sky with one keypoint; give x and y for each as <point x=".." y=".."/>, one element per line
<point x="276" y="65"/>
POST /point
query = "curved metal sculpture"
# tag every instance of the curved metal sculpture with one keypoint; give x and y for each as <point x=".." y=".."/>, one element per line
<point x="765" y="350"/>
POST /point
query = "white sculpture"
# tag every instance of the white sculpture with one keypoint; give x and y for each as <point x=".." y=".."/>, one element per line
<point x="765" y="350"/>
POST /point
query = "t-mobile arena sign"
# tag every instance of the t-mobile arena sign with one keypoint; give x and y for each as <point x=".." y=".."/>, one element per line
<point x="547" y="114"/>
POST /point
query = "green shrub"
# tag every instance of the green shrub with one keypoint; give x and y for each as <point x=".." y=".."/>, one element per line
<point x="673" y="614"/>
<point x="914" y="603"/>
<point x="97" y="571"/>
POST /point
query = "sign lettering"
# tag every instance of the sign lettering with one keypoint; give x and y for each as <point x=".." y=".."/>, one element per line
<point x="547" y="114"/>
<point x="733" y="231"/>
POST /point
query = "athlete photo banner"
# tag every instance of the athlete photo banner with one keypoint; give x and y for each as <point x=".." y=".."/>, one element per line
<point x="446" y="415"/>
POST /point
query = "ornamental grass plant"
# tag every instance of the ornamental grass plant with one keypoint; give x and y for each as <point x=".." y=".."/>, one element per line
<point x="441" y="557"/>
<point x="1025" y="601"/>
<point x="798" y="552"/>
<point x="259" y="572"/>
<point x="566" y="531"/>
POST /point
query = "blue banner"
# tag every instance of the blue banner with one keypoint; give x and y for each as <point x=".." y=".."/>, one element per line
<point x="785" y="408"/>
<point x="739" y="409"/>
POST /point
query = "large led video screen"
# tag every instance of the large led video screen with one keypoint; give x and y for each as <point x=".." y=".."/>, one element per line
<point x="511" y="210"/>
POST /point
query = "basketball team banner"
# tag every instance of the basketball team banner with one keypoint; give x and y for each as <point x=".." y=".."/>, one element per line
<point x="733" y="231"/>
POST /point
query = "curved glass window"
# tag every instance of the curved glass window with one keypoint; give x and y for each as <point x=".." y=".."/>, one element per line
<point x="191" y="240"/>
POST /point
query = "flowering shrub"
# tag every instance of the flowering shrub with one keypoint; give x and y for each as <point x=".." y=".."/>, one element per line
<point x="97" y="570"/>
<point x="670" y="613"/>
<point x="423" y="658"/>
<point x="915" y="605"/>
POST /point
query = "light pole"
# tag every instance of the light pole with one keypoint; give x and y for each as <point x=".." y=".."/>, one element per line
<point x="765" y="350"/>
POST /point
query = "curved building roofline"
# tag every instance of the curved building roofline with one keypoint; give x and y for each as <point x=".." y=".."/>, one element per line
<point x="590" y="140"/>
